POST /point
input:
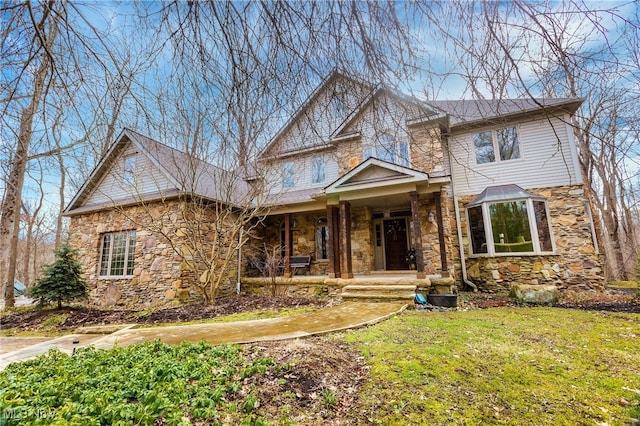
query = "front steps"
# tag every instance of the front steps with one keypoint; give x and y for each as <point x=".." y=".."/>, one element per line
<point x="381" y="286"/>
<point x="379" y="292"/>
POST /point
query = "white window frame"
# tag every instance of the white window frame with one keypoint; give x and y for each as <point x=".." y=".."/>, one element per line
<point x="533" y="229"/>
<point x="400" y="148"/>
<point x="318" y="169"/>
<point x="496" y="145"/>
<point x="128" y="249"/>
<point x="288" y="175"/>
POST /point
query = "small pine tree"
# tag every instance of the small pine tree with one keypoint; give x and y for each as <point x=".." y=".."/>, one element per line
<point x="62" y="280"/>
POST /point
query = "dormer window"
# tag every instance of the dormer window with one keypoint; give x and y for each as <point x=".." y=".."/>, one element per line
<point x="507" y="220"/>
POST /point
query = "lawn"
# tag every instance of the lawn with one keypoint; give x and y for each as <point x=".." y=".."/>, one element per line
<point x="506" y="365"/>
<point x="516" y="366"/>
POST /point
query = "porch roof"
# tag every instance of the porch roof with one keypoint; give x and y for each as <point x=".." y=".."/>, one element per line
<point x="496" y="194"/>
<point x="374" y="173"/>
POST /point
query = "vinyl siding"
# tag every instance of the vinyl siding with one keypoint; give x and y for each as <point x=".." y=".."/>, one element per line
<point x="317" y="122"/>
<point x="302" y="172"/>
<point x="545" y="159"/>
<point x="147" y="179"/>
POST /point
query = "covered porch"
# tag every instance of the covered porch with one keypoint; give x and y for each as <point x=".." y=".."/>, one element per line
<point x="377" y="218"/>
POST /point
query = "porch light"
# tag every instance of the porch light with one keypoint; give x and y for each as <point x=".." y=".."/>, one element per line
<point x="431" y="217"/>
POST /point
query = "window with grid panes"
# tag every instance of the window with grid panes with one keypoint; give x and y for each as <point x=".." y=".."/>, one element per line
<point x="117" y="254"/>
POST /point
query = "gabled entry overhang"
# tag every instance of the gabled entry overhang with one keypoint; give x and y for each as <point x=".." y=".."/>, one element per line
<point x="374" y="177"/>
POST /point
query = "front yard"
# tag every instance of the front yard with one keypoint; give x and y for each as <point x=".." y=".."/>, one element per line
<point x="500" y="365"/>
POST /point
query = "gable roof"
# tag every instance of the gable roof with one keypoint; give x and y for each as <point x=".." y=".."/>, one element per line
<point x="185" y="173"/>
<point x="335" y="75"/>
<point x="374" y="172"/>
<point x="467" y="112"/>
<point x="425" y="111"/>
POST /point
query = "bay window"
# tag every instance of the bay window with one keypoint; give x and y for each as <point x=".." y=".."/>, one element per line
<point x="509" y="220"/>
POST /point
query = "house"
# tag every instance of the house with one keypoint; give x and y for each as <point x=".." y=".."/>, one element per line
<point x="361" y="181"/>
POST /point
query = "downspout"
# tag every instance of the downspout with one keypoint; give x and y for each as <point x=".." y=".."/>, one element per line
<point x="463" y="262"/>
<point x="239" y="261"/>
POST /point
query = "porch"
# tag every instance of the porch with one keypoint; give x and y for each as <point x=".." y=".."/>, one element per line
<point x="379" y="286"/>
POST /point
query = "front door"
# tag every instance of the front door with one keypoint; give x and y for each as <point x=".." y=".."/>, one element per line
<point x="395" y="244"/>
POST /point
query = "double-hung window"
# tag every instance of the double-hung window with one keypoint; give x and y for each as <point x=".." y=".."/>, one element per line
<point x="496" y="145"/>
<point x="317" y="170"/>
<point x="509" y="220"/>
<point x="287" y="175"/>
<point x="117" y="254"/>
<point x="387" y="148"/>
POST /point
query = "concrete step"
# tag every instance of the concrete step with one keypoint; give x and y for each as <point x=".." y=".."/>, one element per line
<point x="379" y="292"/>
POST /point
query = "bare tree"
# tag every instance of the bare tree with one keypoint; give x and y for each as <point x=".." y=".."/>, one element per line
<point x="239" y="69"/>
<point x="57" y="65"/>
<point x="572" y="49"/>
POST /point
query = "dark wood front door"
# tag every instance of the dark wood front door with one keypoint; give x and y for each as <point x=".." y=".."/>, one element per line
<point x="395" y="244"/>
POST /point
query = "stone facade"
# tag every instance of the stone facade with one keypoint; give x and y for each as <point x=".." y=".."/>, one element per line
<point x="160" y="274"/>
<point x="574" y="265"/>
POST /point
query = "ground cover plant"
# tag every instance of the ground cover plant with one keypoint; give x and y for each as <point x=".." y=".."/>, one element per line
<point x="138" y="384"/>
<point x="296" y="382"/>
<point x="513" y="366"/>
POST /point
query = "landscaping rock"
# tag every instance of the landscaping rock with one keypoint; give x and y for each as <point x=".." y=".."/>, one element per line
<point x="536" y="294"/>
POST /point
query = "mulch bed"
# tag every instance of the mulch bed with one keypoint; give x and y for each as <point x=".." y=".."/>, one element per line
<point x="611" y="300"/>
<point x="35" y="319"/>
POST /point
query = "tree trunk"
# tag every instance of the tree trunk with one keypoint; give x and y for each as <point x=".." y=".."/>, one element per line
<point x="10" y="220"/>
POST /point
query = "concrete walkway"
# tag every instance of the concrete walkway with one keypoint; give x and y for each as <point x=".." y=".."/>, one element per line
<point x="340" y="317"/>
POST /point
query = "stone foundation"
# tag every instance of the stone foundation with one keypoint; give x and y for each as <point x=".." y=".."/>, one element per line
<point x="575" y="265"/>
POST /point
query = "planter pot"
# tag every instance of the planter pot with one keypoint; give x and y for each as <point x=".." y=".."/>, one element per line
<point x="444" y="300"/>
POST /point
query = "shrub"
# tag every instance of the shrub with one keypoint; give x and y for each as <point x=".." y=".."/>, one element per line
<point x="62" y="280"/>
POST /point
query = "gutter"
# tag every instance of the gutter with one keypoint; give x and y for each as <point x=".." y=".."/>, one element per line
<point x="463" y="262"/>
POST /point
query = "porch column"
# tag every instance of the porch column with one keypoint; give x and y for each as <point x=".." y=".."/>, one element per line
<point x="333" y="242"/>
<point x="345" y="240"/>
<point x="287" y="245"/>
<point x="443" y="250"/>
<point x="417" y="235"/>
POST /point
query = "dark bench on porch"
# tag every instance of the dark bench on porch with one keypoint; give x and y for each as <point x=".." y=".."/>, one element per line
<point x="299" y="262"/>
<point x="258" y="265"/>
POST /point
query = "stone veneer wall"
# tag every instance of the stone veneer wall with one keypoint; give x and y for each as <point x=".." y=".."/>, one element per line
<point x="576" y="265"/>
<point x="427" y="153"/>
<point x="430" y="239"/>
<point x="160" y="276"/>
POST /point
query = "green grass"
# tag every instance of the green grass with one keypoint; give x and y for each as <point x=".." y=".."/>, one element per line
<point x="516" y="366"/>
<point x="625" y="284"/>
